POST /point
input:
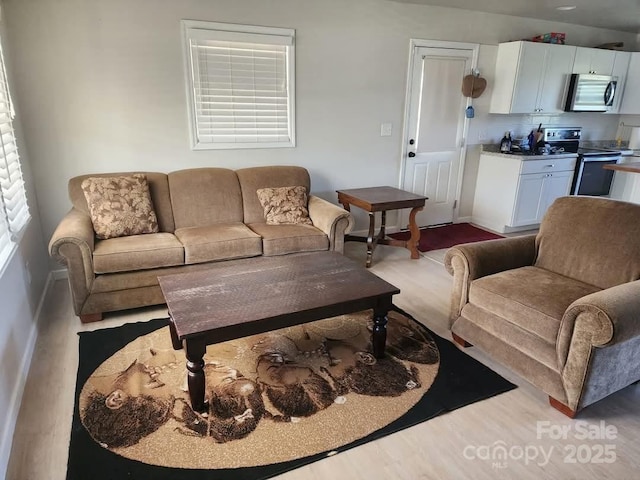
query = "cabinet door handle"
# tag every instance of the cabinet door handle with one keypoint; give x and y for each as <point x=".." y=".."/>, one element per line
<point x="550" y="166"/>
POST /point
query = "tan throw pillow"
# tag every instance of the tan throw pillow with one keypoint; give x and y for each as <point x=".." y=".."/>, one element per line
<point x="285" y="205"/>
<point x="120" y="206"/>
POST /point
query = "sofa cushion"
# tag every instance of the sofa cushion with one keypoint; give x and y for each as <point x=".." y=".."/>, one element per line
<point x="120" y="206"/>
<point x="532" y="298"/>
<point x="594" y="240"/>
<point x="137" y="252"/>
<point x="283" y="239"/>
<point x="285" y="205"/>
<point x="218" y="242"/>
<point x="205" y="196"/>
<point x="255" y="178"/>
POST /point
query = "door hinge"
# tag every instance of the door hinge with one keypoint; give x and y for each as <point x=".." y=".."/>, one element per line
<point x="455" y="204"/>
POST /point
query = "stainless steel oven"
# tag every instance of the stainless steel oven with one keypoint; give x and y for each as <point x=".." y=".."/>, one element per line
<point x="590" y="178"/>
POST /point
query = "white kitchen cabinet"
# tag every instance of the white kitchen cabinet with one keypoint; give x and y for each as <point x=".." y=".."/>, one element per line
<point x="630" y="103"/>
<point x="536" y="191"/>
<point x="620" y="71"/>
<point x="531" y="77"/>
<point x="594" y="60"/>
<point x="513" y="193"/>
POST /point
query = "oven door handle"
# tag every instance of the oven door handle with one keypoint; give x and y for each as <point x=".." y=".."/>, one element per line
<point x="601" y="158"/>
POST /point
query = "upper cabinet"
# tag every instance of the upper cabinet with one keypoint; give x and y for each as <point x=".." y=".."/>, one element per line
<point x="620" y="68"/>
<point x="594" y="60"/>
<point x="531" y="77"/>
<point x="604" y="62"/>
<point x="630" y="103"/>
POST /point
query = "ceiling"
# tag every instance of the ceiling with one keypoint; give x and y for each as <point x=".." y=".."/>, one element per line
<point x="621" y="15"/>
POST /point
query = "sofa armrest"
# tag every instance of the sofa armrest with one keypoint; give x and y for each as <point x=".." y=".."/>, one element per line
<point x="333" y="220"/>
<point x="602" y="319"/>
<point x="475" y="260"/>
<point x="72" y="244"/>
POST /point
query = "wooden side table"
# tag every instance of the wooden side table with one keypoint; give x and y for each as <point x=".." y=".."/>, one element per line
<point x="381" y="199"/>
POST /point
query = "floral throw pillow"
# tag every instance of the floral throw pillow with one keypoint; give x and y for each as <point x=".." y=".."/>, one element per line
<point x="120" y="206"/>
<point x="284" y="205"/>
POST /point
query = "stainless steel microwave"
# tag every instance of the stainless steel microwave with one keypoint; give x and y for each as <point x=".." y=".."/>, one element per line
<point x="590" y="93"/>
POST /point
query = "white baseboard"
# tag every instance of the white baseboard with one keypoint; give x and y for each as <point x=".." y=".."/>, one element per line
<point x="11" y="415"/>
<point x="463" y="220"/>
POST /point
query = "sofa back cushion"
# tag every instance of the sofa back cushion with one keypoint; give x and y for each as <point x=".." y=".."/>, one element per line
<point x="158" y="188"/>
<point x="593" y="240"/>
<point x="205" y="196"/>
<point x="253" y="179"/>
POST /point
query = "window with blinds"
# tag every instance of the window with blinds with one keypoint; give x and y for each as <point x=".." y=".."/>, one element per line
<point x="14" y="212"/>
<point x="240" y="85"/>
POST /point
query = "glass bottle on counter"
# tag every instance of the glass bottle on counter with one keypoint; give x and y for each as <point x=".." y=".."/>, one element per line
<point x="505" y="143"/>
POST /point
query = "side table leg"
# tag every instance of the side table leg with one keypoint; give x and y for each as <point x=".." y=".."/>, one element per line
<point x="412" y="244"/>
<point x="370" y="245"/>
<point x="195" y="350"/>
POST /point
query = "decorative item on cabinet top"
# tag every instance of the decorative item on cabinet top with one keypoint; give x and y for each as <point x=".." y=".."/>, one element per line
<point x="552" y="37"/>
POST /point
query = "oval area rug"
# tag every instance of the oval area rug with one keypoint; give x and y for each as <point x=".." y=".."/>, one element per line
<point x="277" y="400"/>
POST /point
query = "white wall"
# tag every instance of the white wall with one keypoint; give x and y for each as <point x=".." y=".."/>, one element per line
<point x="22" y="286"/>
<point x="102" y="89"/>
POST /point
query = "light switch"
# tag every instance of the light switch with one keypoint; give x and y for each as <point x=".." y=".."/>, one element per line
<point x="385" y="129"/>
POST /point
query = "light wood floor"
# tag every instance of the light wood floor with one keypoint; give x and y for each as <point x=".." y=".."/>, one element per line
<point x="444" y="447"/>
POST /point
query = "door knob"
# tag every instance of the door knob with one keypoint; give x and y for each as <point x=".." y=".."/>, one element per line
<point x="412" y="154"/>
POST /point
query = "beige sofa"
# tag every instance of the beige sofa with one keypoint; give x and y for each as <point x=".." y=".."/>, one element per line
<point x="560" y="308"/>
<point x="204" y="215"/>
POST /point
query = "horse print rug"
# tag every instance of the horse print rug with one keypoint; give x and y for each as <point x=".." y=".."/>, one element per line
<point x="276" y="401"/>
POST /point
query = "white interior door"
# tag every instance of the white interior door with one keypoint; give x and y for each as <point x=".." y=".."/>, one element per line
<point x="435" y="131"/>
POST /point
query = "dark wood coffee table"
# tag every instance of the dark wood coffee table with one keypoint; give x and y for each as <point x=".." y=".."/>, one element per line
<point x="237" y="298"/>
<point x="381" y="199"/>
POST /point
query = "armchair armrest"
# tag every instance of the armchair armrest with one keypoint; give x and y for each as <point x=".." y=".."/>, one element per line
<point x="72" y="244"/>
<point x="333" y="220"/>
<point x="602" y="319"/>
<point x="470" y="261"/>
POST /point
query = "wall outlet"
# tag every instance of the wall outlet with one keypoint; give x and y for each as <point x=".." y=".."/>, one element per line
<point x="385" y="129"/>
<point x="482" y="135"/>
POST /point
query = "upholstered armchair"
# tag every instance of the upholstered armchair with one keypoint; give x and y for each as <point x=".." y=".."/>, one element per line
<point x="560" y="308"/>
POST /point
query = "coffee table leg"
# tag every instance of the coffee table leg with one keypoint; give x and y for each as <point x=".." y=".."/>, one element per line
<point x="194" y="350"/>
<point x="379" y="334"/>
<point x="412" y="244"/>
<point x="175" y="341"/>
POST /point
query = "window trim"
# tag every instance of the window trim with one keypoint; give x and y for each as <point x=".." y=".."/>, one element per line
<point x="12" y="233"/>
<point x="186" y="26"/>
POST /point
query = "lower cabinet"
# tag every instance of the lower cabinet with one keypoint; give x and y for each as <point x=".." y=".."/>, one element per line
<point x="513" y="193"/>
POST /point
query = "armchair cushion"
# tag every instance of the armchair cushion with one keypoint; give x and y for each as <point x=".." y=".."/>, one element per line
<point x="531" y="298"/>
<point x="591" y="239"/>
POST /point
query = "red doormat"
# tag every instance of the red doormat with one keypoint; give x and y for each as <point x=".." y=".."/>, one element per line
<point x="447" y="236"/>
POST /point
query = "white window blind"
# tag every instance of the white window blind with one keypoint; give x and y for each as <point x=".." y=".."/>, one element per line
<point x="14" y="212"/>
<point x="240" y="85"/>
